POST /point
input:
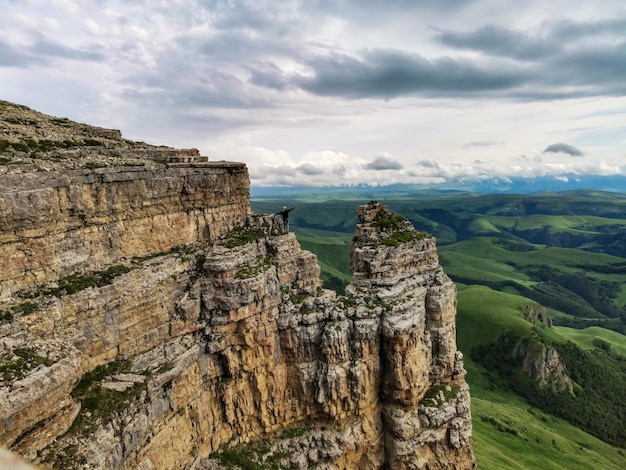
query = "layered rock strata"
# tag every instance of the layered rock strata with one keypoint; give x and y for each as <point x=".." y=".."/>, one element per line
<point x="59" y="223"/>
<point x="151" y="321"/>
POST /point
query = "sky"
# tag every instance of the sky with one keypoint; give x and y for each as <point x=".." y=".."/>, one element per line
<point x="331" y="92"/>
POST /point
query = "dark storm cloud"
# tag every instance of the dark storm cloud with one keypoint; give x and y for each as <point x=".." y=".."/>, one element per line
<point x="211" y="88"/>
<point x="553" y="39"/>
<point x="268" y="75"/>
<point x="564" y="59"/>
<point x="249" y="16"/>
<point x="389" y="73"/>
<point x="565" y="30"/>
<point x="46" y="48"/>
<point x="563" y="148"/>
<point x="495" y="40"/>
<point x="310" y="169"/>
<point x="372" y="11"/>
<point x="11" y="56"/>
<point x="42" y="50"/>
<point x="603" y="67"/>
<point x="428" y="164"/>
<point x="384" y="163"/>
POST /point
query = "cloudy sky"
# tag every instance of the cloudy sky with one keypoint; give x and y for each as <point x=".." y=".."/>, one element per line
<point x="325" y="92"/>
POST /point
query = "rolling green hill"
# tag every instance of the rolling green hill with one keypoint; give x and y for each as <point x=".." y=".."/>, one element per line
<point x="582" y="288"/>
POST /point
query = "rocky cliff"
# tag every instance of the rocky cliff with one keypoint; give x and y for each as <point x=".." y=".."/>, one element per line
<point x="150" y="320"/>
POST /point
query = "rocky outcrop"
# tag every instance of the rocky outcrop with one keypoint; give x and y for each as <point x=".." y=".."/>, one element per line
<point x="536" y="314"/>
<point x="544" y="365"/>
<point x="425" y="400"/>
<point x="540" y="361"/>
<point x="149" y="320"/>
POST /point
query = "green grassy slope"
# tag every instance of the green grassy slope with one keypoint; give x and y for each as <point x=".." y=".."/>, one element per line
<point x="333" y="255"/>
<point x="508" y="432"/>
<point x="585" y="338"/>
<point x="585" y="288"/>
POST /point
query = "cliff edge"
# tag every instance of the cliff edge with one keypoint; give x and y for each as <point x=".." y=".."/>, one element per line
<point x="150" y="320"/>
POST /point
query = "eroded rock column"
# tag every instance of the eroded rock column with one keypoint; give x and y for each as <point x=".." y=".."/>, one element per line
<point x="425" y="400"/>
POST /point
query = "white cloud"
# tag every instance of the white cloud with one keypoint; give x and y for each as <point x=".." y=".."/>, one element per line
<point x="322" y="92"/>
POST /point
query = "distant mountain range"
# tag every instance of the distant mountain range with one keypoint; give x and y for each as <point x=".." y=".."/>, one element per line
<point x="488" y="185"/>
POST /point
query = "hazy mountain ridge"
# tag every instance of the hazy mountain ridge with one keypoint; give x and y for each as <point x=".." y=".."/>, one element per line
<point x="482" y="185"/>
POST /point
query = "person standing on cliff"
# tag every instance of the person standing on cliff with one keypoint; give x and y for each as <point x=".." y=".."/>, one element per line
<point x="285" y="214"/>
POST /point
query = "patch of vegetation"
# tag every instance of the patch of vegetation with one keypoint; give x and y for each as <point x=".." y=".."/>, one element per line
<point x="297" y="298"/>
<point x="306" y="310"/>
<point x="397" y="238"/>
<point x="263" y="264"/>
<point x="602" y="344"/>
<point x="77" y="282"/>
<point x="598" y="293"/>
<point x="199" y="269"/>
<point x="99" y="405"/>
<point x="397" y="228"/>
<point x="67" y="457"/>
<point x="241" y="236"/>
<point x="93" y="143"/>
<point x="500" y="426"/>
<point x="47" y="145"/>
<point x="6" y="316"/>
<point x="61" y="121"/>
<point x="293" y="432"/>
<point x="93" y="165"/>
<point x="25" y="308"/>
<point x="184" y="250"/>
<point x="345" y="302"/>
<point x="511" y="245"/>
<point x="165" y="367"/>
<point x="253" y="456"/>
<point x="32" y="145"/>
<point x="20" y="146"/>
<point x="440" y="394"/>
<point x="373" y="302"/>
<point x="22" y="360"/>
<point x="390" y="222"/>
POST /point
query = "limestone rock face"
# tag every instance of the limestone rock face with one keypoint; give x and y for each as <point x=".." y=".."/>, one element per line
<point x="149" y="320"/>
<point x="66" y="222"/>
<point x="545" y="366"/>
